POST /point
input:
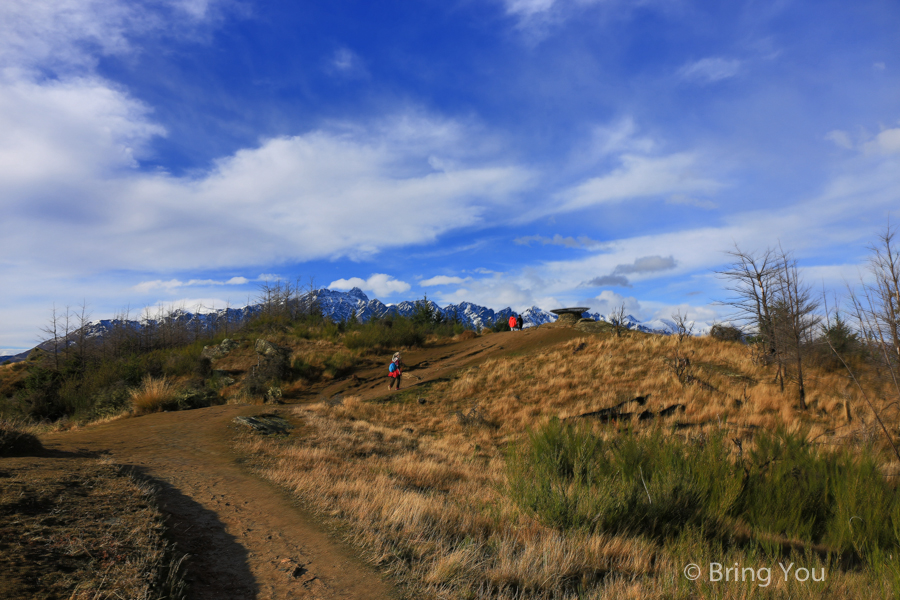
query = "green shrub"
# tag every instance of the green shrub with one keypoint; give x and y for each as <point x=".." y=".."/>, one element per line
<point x="659" y="485"/>
<point x="726" y="333"/>
<point x="304" y="369"/>
<point x="501" y="324"/>
<point x="340" y="364"/>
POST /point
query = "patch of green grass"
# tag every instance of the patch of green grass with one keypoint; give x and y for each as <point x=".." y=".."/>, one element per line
<point x="659" y="485"/>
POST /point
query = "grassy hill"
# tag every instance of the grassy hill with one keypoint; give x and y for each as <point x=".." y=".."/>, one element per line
<point x="549" y="463"/>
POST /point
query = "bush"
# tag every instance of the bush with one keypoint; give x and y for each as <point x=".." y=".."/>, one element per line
<point x="304" y="369"/>
<point x="340" y="364"/>
<point x="501" y="324"/>
<point x="16" y="439"/>
<point x="386" y="335"/>
<point x="726" y="333"/>
<point x="657" y="486"/>
<point x="154" y="395"/>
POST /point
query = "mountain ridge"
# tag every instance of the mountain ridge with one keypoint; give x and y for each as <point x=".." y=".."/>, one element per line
<point x="342" y="306"/>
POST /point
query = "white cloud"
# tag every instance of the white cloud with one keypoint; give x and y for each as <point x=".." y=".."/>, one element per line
<point x="646" y="264"/>
<point x="558" y="240"/>
<point x="68" y="34"/>
<point x="528" y="8"/>
<point x="379" y="283"/>
<point x="840" y="138"/>
<point x="879" y="66"/>
<point x="443" y="280"/>
<point x="886" y="142"/>
<point x="296" y="198"/>
<point x="640" y="176"/>
<point x="709" y="70"/>
<point x="174" y="284"/>
<point x="685" y="200"/>
<point x="608" y="301"/>
<point x="347" y="63"/>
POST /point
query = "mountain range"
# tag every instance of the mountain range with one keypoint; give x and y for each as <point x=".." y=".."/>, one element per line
<point x="338" y="306"/>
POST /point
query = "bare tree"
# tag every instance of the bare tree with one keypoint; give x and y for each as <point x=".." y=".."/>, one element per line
<point x="683" y="327"/>
<point x="52" y="333"/>
<point x="877" y="307"/>
<point x="753" y="279"/>
<point x="617" y="317"/>
<point x="797" y="318"/>
<point x="83" y="318"/>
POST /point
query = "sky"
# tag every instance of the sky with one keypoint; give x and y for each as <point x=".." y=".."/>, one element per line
<point x="180" y="153"/>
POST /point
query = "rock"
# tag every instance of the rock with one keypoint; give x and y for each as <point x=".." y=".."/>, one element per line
<point x="267" y="424"/>
<point x="270" y="350"/>
<point x="567" y="319"/>
<point x="220" y="350"/>
<point x="590" y="326"/>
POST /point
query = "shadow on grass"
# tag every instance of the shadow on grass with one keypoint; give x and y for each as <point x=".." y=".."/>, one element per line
<point x="216" y="567"/>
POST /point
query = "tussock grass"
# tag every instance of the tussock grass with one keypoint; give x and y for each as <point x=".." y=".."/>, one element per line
<point x="463" y="508"/>
<point x="18" y="437"/>
<point x="154" y="395"/>
<point x="84" y="532"/>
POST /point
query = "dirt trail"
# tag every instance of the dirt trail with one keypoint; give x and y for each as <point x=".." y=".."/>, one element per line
<point x="434" y="364"/>
<point x="245" y="536"/>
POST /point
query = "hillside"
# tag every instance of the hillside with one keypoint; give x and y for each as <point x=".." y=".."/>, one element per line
<point x="422" y="482"/>
<point x="335" y="305"/>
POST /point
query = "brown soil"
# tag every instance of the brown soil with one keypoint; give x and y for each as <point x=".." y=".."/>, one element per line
<point x="440" y="362"/>
<point x="246" y="538"/>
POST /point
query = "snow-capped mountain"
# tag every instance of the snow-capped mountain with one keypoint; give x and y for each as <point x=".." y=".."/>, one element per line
<point x="338" y="306"/>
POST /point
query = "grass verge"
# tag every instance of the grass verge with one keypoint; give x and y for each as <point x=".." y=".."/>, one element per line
<point x="85" y="530"/>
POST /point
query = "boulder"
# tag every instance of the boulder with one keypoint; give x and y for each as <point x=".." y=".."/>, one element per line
<point x="267" y="424"/>
<point x="219" y="350"/>
<point x="269" y="349"/>
<point x="589" y="326"/>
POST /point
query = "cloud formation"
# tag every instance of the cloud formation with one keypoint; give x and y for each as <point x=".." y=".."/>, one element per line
<point x="607" y="281"/>
<point x="379" y="283"/>
<point x="646" y="264"/>
<point x="558" y="240"/>
<point x="173" y="284"/>
<point x="443" y="280"/>
<point x="710" y="70"/>
<point x="640" y="177"/>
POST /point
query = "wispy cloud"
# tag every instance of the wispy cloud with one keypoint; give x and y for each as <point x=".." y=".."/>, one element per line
<point x="710" y="70"/>
<point x="174" y="284"/>
<point x="685" y="200"/>
<point x="443" y="280"/>
<point x="646" y="264"/>
<point x="886" y="142"/>
<point x="607" y="281"/>
<point x="639" y="177"/>
<point x="558" y="240"/>
<point x="346" y="63"/>
<point x="379" y="283"/>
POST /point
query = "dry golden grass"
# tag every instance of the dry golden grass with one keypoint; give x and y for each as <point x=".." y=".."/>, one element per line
<point x="84" y="531"/>
<point x="421" y="486"/>
<point x="154" y="395"/>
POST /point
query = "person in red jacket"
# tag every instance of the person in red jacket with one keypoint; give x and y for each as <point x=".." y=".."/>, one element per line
<point x="395" y="371"/>
<point x="512" y="322"/>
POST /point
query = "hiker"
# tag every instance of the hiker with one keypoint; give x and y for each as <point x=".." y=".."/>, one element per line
<point x="512" y="322"/>
<point x="395" y="371"/>
<point x="520" y="322"/>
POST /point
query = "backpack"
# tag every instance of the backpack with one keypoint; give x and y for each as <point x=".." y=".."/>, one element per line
<point x="392" y="368"/>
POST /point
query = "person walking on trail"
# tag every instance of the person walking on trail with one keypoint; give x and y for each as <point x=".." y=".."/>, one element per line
<point x="512" y="322"/>
<point x="395" y="371"/>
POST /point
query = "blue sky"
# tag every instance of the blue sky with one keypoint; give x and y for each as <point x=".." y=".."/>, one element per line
<point x="504" y="152"/>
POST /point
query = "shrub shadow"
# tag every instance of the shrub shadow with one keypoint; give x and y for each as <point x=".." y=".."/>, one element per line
<point x="217" y="566"/>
